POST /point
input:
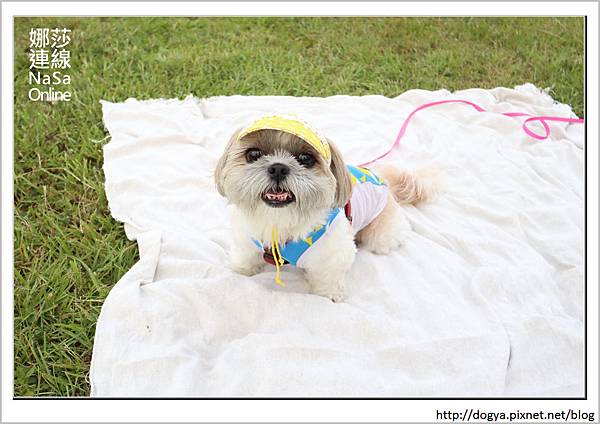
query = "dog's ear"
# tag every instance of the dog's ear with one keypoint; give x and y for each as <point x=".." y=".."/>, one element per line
<point x="218" y="174"/>
<point x="342" y="176"/>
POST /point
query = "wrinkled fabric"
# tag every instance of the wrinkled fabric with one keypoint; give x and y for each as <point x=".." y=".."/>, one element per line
<point x="484" y="299"/>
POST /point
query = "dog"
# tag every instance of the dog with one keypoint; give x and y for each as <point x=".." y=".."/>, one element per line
<point x="296" y="201"/>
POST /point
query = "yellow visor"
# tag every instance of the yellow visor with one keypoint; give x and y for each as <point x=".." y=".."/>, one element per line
<point x="292" y="126"/>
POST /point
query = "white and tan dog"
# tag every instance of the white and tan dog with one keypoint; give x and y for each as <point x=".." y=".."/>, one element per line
<point x="296" y="200"/>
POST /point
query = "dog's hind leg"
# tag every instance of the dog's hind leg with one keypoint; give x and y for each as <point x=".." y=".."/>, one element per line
<point x="387" y="231"/>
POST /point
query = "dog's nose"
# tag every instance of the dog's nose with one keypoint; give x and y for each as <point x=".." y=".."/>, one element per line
<point x="278" y="171"/>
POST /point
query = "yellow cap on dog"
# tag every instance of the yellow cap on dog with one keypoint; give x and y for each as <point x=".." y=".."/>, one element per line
<point x="292" y="126"/>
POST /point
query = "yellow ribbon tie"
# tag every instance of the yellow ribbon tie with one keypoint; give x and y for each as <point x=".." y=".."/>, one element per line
<point x="277" y="256"/>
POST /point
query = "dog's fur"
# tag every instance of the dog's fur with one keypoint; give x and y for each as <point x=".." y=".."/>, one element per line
<point x="317" y="190"/>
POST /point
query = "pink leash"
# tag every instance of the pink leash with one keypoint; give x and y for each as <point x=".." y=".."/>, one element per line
<point x="542" y="119"/>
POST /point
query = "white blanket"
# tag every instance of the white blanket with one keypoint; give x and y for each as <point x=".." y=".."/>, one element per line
<point x="484" y="299"/>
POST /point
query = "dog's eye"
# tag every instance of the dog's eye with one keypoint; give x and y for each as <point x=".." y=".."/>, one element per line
<point x="306" y="159"/>
<point x="253" y="154"/>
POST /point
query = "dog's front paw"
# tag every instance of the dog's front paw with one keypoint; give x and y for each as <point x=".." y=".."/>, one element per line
<point x="335" y="293"/>
<point x="245" y="261"/>
<point x="247" y="269"/>
<point x="337" y="297"/>
<point x="334" y="297"/>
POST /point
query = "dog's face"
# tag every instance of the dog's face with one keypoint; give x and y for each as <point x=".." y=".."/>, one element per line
<point x="271" y="170"/>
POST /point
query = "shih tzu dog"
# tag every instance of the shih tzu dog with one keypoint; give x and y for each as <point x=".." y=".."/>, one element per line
<point x="297" y="202"/>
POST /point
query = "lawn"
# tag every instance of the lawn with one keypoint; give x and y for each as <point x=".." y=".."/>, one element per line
<point x="69" y="251"/>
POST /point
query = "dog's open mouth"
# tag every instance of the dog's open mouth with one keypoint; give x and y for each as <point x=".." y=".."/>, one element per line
<point x="278" y="197"/>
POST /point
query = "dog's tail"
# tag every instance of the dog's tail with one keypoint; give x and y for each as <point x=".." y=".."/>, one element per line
<point x="411" y="187"/>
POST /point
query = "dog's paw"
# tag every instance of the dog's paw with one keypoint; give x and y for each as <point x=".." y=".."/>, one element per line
<point x="245" y="262"/>
<point x="247" y="269"/>
<point x="335" y="294"/>
<point x="385" y="245"/>
<point x="336" y="298"/>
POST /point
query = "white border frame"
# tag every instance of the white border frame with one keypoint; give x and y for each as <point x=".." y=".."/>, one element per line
<point x="280" y="410"/>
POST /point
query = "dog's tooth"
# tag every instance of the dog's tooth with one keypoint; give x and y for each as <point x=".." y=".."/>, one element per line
<point x="278" y="195"/>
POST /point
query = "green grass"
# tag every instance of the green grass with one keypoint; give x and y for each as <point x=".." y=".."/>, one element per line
<point x="69" y="251"/>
